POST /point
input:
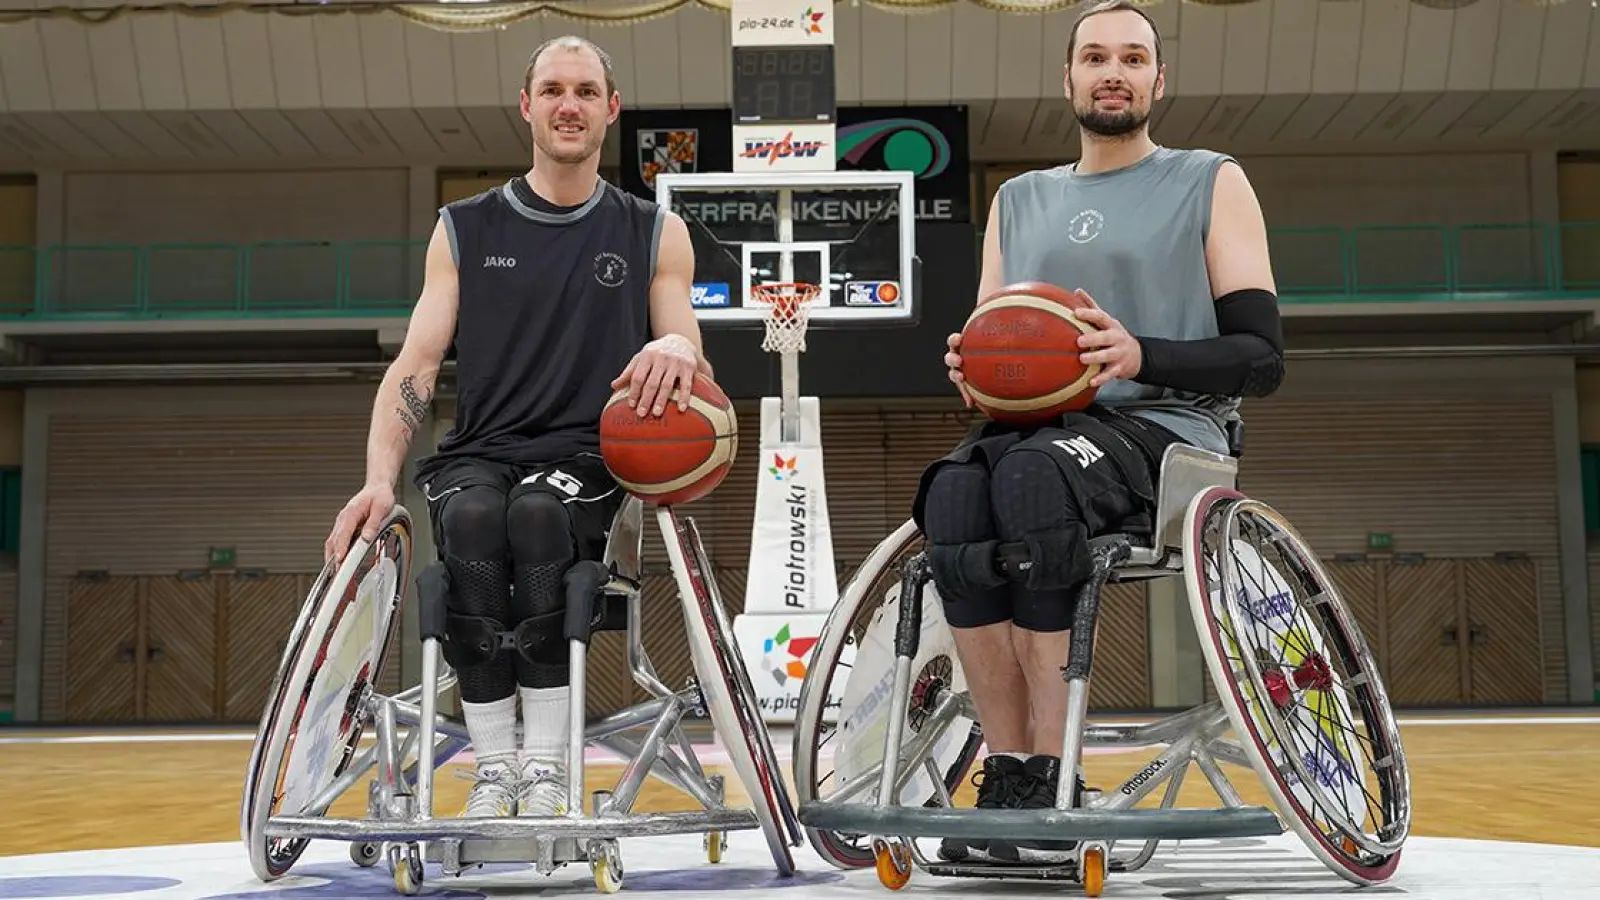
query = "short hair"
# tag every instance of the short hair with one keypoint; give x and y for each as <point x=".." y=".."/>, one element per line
<point x="1107" y="6"/>
<point x="571" y="42"/>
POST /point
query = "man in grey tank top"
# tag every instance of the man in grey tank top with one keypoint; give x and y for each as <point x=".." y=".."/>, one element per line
<point x="1171" y="248"/>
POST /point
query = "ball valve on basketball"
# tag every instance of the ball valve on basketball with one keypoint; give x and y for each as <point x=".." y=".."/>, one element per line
<point x="1020" y="357"/>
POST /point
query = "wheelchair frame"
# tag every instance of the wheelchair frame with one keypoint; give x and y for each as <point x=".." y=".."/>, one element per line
<point x="1195" y="487"/>
<point x="400" y="807"/>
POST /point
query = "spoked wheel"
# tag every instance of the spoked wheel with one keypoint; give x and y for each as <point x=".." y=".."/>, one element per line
<point x="844" y="703"/>
<point x="1299" y="683"/>
<point x="316" y="711"/>
<point x="730" y="698"/>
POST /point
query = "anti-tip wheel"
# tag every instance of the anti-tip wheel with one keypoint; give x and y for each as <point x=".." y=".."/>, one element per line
<point x="893" y="864"/>
<point x="365" y="854"/>
<point x="715" y="843"/>
<point x="1093" y="871"/>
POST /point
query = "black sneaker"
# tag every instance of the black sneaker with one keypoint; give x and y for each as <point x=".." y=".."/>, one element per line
<point x="1036" y="789"/>
<point x="997" y="787"/>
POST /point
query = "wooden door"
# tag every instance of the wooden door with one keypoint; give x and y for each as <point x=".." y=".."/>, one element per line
<point x="1121" y="676"/>
<point x="260" y="615"/>
<point x="1501" y="631"/>
<point x="180" y="623"/>
<point x="1421" y="620"/>
<point x="1359" y="582"/>
<point x="104" y="672"/>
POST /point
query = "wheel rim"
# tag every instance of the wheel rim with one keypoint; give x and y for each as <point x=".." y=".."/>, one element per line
<point x="1300" y="672"/>
<point x="312" y="734"/>
<point x="874" y="586"/>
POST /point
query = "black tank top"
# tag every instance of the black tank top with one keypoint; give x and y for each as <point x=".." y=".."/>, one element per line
<point x="554" y="302"/>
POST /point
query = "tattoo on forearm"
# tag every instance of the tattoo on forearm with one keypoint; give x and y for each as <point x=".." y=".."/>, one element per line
<point x="413" y="403"/>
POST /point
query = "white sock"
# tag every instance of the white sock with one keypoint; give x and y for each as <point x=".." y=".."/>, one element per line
<point x="544" y="725"/>
<point x="492" y="727"/>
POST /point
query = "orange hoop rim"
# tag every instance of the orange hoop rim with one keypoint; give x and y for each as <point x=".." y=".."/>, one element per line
<point x="786" y="293"/>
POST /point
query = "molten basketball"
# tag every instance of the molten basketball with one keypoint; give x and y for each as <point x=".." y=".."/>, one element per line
<point x="676" y="457"/>
<point x="1020" y="355"/>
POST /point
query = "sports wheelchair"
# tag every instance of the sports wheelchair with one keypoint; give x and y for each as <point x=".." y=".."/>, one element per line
<point x="307" y="751"/>
<point x="1282" y="649"/>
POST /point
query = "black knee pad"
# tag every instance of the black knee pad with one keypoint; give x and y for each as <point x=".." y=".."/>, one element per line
<point x="1044" y="544"/>
<point x="473" y="524"/>
<point x="962" y="541"/>
<point x="542" y="548"/>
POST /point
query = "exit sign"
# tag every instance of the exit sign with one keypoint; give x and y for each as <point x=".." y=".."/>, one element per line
<point x="1380" y="540"/>
<point x="222" y="557"/>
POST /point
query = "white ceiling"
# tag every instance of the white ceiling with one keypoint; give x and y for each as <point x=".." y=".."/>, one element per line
<point x="261" y="88"/>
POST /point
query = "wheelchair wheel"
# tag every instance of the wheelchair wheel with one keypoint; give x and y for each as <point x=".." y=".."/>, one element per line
<point x="730" y="698"/>
<point x="837" y="743"/>
<point x="1299" y="683"/>
<point x="315" y="712"/>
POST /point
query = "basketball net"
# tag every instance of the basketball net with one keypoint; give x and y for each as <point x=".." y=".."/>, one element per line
<point x="788" y="310"/>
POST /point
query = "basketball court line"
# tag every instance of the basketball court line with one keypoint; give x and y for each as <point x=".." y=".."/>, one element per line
<point x="231" y="736"/>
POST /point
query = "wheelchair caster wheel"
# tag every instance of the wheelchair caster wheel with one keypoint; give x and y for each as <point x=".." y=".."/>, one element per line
<point x="406" y="867"/>
<point x="715" y="843"/>
<point x="365" y="854"/>
<point x="893" y="862"/>
<point x="1092" y="871"/>
<point x="605" y="862"/>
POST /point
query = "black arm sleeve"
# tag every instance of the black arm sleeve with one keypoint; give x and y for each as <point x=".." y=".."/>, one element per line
<point x="1246" y="359"/>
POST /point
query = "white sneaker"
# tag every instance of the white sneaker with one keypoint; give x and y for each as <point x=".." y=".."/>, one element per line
<point x="493" y="794"/>
<point x="542" y="792"/>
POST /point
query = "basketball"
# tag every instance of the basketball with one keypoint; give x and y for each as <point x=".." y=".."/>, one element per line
<point x="676" y="457"/>
<point x="1020" y="356"/>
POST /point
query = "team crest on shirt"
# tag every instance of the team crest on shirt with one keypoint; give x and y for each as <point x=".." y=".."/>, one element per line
<point x="610" y="269"/>
<point x="667" y="150"/>
<point x="1086" y="226"/>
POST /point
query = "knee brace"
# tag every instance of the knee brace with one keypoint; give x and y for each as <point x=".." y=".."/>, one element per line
<point x="472" y="537"/>
<point x="961" y="546"/>
<point x="467" y="642"/>
<point x="540" y="534"/>
<point x="1044" y="544"/>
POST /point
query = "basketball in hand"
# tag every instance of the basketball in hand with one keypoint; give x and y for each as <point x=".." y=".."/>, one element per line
<point x="1020" y="355"/>
<point x="676" y="457"/>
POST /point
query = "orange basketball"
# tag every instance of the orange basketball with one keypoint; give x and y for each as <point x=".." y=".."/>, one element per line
<point x="1020" y="355"/>
<point x="676" y="457"/>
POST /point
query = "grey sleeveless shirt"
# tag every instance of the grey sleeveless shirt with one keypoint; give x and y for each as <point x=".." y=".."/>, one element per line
<point x="1134" y="239"/>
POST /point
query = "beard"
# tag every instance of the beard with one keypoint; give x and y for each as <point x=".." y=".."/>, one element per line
<point x="1119" y="123"/>
<point x="546" y="139"/>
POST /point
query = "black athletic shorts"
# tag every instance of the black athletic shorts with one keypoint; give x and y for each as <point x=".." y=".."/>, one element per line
<point x="592" y="497"/>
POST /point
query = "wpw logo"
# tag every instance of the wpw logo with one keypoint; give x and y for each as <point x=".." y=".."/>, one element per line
<point x="785" y="147"/>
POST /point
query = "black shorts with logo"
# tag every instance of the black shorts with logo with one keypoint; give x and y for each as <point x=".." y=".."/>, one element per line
<point x="582" y="483"/>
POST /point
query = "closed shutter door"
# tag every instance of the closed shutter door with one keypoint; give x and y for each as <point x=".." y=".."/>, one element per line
<point x="8" y="640"/>
<point x="1451" y="477"/>
<point x="143" y="494"/>
<point x="1594" y="616"/>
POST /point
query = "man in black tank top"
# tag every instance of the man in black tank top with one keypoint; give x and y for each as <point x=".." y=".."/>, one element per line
<point x="555" y="288"/>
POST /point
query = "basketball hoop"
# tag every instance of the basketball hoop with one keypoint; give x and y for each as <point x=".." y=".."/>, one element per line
<point x="788" y="311"/>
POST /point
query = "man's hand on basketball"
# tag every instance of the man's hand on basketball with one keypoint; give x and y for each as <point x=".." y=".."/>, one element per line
<point x="664" y="365"/>
<point x="364" y="514"/>
<point x="1112" y="347"/>
<point x="952" y="360"/>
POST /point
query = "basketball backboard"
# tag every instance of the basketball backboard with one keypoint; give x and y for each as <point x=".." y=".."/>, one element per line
<point x="851" y="233"/>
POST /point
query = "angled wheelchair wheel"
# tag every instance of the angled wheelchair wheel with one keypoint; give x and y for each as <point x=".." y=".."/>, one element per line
<point x="844" y="703"/>
<point x="730" y="698"/>
<point x="1300" y="684"/>
<point x="316" y="709"/>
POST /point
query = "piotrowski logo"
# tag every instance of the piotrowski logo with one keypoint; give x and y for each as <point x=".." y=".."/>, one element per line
<point x="902" y="145"/>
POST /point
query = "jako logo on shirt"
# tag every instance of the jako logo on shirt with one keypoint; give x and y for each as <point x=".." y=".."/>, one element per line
<point x="499" y="262"/>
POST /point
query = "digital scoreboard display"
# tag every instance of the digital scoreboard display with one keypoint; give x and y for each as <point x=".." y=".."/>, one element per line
<point x="783" y="84"/>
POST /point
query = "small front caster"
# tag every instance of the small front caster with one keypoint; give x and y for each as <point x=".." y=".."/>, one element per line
<point x="1092" y="871"/>
<point x="893" y="863"/>
<point x="365" y="854"/>
<point x="405" y="864"/>
<point x="715" y="843"/>
<point x="605" y="861"/>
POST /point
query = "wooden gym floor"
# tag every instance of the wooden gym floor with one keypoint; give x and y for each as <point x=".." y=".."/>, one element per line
<point x="1514" y="777"/>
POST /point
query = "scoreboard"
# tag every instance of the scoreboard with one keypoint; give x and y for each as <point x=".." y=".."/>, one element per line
<point x="784" y="95"/>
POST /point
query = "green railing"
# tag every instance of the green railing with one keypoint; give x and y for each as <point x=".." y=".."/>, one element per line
<point x="1367" y="264"/>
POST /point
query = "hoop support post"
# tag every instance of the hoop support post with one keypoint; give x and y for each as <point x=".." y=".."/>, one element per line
<point x="789" y="373"/>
